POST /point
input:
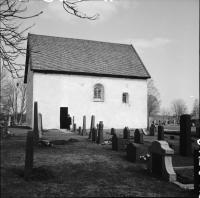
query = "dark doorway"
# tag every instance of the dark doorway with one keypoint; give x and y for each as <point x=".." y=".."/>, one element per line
<point x="63" y="117"/>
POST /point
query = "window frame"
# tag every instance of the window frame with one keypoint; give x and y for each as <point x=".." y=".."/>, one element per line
<point x="101" y="88"/>
<point x="127" y="98"/>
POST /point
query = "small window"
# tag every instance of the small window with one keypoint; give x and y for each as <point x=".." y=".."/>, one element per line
<point x="98" y="93"/>
<point x="125" y="98"/>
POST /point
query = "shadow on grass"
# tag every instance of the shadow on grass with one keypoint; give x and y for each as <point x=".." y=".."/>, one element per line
<point x="38" y="174"/>
<point x="63" y="142"/>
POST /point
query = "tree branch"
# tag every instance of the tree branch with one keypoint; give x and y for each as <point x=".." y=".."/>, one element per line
<point x="72" y="9"/>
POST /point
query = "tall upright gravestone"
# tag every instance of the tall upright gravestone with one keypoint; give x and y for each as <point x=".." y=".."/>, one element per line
<point x="92" y="126"/>
<point x="9" y="120"/>
<point x="79" y="130"/>
<point x="73" y="123"/>
<point x="185" y="147"/>
<point x="100" y="133"/>
<point x="197" y="132"/>
<point x="152" y="130"/>
<point x="113" y="131"/>
<point x="36" y="130"/>
<point x="94" y="134"/>
<point x="29" y="154"/>
<point x="74" y="126"/>
<point x="40" y="125"/>
<point x="160" y="132"/>
<point x="84" y="126"/>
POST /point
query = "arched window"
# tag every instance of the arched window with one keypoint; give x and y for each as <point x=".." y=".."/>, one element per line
<point x="98" y="93"/>
<point x="125" y="98"/>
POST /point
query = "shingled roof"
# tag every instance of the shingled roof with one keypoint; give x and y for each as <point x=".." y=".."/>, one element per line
<point x="51" y="54"/>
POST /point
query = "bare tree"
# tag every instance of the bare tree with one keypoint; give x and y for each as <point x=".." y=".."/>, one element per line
<point x="22" y="96"/>
<point x="163" y="113"/>
<point x="195" y="111"/>
<point x="153" y="99"/>
<point x="3" y="93"/>
<point x="7" y="99"/>
<point x="12" y="36"/>
<point x="71" y="8"/>
<point x="179" y="108"/>
<point x="9" y="95"/>
<point x="168" y="113"/>
<point x="13" y="98"/>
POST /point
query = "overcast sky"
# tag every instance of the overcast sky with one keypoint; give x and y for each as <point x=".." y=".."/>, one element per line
<point x="165" y="33"/>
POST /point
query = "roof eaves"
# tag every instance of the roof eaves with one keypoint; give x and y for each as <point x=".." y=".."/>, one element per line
<point x="87" y="74"/>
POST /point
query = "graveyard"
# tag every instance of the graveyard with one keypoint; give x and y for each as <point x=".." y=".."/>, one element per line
<point x="98" y="163"/>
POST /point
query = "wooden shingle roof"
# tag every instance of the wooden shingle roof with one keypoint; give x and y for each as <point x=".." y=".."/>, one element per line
<point x="76" y="56"/>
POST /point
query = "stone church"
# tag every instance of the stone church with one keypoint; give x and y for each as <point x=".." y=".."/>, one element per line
<point x="84" y="78"/>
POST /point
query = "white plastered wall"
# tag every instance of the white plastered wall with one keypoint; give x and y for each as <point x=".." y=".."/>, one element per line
<point x="29" y="98"/>
<point x="53" y="91"/>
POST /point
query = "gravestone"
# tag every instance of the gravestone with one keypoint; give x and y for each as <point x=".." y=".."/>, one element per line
<point x="29" y="154"/>
<point x="9" y="120"/>
<point x="41" y="122"/>
<point x="79" y="130"/>
<point x="161" y="133"/>
<point x="138" y="136"/>
<point x="116" y="142"/>
<point x="133" y="152"/>
<point x="152" y="130"/>
<point x="196" y="169"/>
<point x="40" y="125"/>
<point x="73" y="123"/>
<point x="92" y="126"/>
<point x="185" y="147"/>
<point x="84" y="126"/>
<point x="74" y="126"/>
<point x="119" y="143"/>
<point x="126" y="133"/>
<point x="113" y="131"/>
<point x="160" y="162"/>
<point x="35" y="129"/>
<point x="100" y="133"/>
<point x="94" y="134"/>
<point x="197" y="132"/>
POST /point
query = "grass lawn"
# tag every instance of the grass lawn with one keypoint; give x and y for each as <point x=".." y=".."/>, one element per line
<point x="176" y="127"/>
<point x="83" y="169"/>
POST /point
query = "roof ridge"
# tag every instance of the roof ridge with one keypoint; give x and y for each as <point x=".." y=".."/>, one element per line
<point x="79" y="39"/>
